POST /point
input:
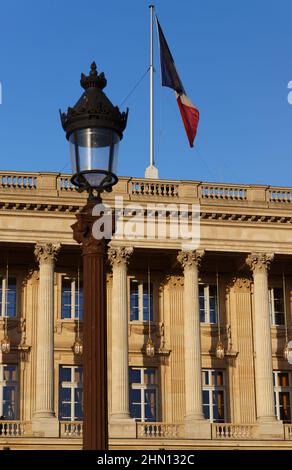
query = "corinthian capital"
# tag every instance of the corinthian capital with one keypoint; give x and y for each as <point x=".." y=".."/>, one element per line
<point x="119" y="254"/>
<point x="47" y="252"/>
<point x="190" y="258"/>
<point x="259" y="261"/>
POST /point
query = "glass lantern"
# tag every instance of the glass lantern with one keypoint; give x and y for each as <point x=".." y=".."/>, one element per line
<point x="150" y="348"/>
<point x="78" y="347"/>
<point x="94" y="158"/>
<point x="220" y="351"/>
<point x="5" y="345"/>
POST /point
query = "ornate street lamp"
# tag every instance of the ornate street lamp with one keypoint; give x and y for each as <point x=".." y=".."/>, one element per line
<point x="93" y="128"/>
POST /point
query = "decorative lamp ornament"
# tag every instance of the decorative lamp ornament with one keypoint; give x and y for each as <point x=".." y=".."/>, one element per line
<point x="150" y="348"/>
<point x="220" y="350"/>
<point x="287" y="351"/>
<point x="5" y="345"/>
<point x="78" y="346"/>
<point x="94" y="128"/>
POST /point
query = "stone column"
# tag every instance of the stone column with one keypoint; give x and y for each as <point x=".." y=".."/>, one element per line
<point x="196" y="425"/>
<point x="120" y="422"/>
<point x="260" y="263"/>
<point x="44" y="421"/>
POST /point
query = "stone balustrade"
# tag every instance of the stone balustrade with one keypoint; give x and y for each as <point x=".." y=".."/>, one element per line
<point x="60" y="184"/>
<point x="233" y="431"/>
<point x="71" y="429"/>
<point x="160" y="430"/>
<point x="288" y="431"/>
<point x="15" y="428"/>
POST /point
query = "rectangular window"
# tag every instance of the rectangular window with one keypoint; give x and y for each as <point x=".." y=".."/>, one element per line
<point x="70" y="393"/>
<point x="70" y="299"/>
<point x="282" y="395"/>
<point x="143" y="394"/>
<point x="208" y="303"/>
<point x="214" y="395"/>
<point x="276" y="304"/>
<point x="8" y="391"/>
<point x="139" y="301"/>
<point x="8" y="297"/>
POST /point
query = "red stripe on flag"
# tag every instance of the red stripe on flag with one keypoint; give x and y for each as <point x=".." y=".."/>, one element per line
<point x="190" y="116"/>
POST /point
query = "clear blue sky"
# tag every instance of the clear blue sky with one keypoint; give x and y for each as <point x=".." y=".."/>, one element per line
<point x="234" y="59"/>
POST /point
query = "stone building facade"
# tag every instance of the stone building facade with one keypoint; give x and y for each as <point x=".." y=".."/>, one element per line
<point x="235" y="288"/>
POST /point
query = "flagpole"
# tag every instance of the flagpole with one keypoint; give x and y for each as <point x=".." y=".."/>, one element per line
<point x="151" y="171"/>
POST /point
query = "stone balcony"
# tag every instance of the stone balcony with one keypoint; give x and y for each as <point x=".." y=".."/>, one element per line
<point x="58" y="185"/>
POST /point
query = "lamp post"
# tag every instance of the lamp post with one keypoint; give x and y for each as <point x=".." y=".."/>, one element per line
<point x="93" y="128"/>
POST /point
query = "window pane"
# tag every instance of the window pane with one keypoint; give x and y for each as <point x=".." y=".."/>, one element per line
<point x="11" y="298"/>
<point x="10" y="373"/>
<point x="134" y="300"/>
<point x="80" y="303"/>
<point x="205" y="375"/>
<point x="149" y="376"/>
<point x="65" y="411"/>
<point x="65" y="394"/>
<point x="136" y="396"/>
<point x="65" y="374"/>
<point x="135" y="376"/>
<point x="202" y="303"/>
<point x="78" y="375"/>
<point x="213" y="304"/>
<point x="206" y="397"/>
<point x="8" y="410"/>
<point x="135" y="411"/>
<point x="284" y="402"/>
<point x="218" y="405"/>
<point x="283" y="379"/>
<point x="66" y="299"/>
<point x="146" y="302"/>
<point x="150" y="405"/>
<point x="206" y="411"/>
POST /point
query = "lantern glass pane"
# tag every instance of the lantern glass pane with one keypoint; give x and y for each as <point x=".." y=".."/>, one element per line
<point x="94" y="153"/>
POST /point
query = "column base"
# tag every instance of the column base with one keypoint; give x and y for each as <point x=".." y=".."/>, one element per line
<point x="197" y="428"/>
<point x="122" y="427"/>
<point x="272" y="430"/>
<point x="45" y="426"/>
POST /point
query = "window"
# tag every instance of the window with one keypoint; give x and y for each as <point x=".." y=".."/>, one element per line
<point x="143" y="394"/>
<point x="69" y="300"/>
<point x="282" y="394"/>
<point x="8" y="297"/>
<point x="276" y="303"/>
<point x="70" y="393"/>
<point x="139" y="301"/>
<point x="8" y="391"/>
<point x="214" y="395"/>
<point x="208" y="303"/>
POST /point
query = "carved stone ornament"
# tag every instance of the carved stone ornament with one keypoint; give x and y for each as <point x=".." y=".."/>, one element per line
<point x="259" y="261"/>
<point x="239" y="284"/>
<point x="190" y="258"/>
<point x="173" y="281"/>
<point x="47" y="252"/>
<point x="82" y="230"/>
<point x="120" y="254"/>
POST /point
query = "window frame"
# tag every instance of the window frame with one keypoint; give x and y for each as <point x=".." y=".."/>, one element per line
<point x="272" y="306"/>
<point x="72" y="386"/>
<point x="15" y="384"/>
<point x="3" y="298"/>
<point x="141" y="282"/>
<point x="278" y="389"/>
<point x="207" y="309"/>
<point x="210" y="388"/>
<point x="142" y="387"/>
<point x="73" y="304"/>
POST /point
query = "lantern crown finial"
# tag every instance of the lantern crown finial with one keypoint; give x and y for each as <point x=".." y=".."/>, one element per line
<point x="93" y="80"/>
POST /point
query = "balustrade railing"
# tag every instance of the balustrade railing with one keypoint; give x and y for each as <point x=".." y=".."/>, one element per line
<point x="15" y="428"/>
<point x="24" y="181"/>
<point x="288" y="431"/>
<point x="154" y="188"/>
<point x="71" y="429"/>
<point x="223" y="192"/>
<point x="233" y="431"/>
<point x="159" y="430"/>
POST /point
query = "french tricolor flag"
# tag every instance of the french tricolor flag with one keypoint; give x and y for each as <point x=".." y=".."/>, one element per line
<point x="171" y="79"/>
